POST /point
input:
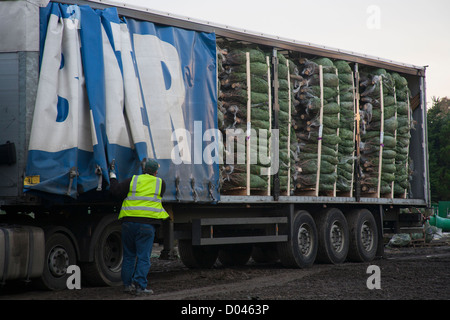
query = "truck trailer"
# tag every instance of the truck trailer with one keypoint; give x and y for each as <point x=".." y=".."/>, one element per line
<point x="270" y="148"/>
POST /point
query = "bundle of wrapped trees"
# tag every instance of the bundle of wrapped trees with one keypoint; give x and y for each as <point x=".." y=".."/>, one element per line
<point x="346" y="150"/>
<point x="378" y="129"/>
<point x="402" y="173"/>
<point x="287" y="71"/>
<point x="235" y="114"/>
<point x="316" y="122"/>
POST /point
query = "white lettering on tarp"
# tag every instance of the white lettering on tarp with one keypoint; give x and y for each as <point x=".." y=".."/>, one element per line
<point x="66" y="125"/>
<point x="163" y="105"/>
<point x="116" y="128"/>
<point x="134" y="106"/>
<point x="74" y="17"/>
<point x="60" y="127"/>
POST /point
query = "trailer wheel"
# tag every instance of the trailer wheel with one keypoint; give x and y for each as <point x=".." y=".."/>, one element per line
<point x="265" y="253"/>
<point x="333" y="236"/>
<point x="59" y="254"/>
<point x="363" y="235"/>
<point x="235" y="254"/>
<point x="300" y="250"/>
<point x="197" y="256"/>
<point x="106" y="268"/>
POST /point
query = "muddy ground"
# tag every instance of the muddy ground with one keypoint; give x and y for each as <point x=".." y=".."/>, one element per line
<point x="408" y="273"/>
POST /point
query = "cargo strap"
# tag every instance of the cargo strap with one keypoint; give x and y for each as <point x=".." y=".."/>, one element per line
<point x="210" y="190"/>
<point x="177" y="188"/>
<point x="194" y="192"/>
<point x="72" y="175"/>
<point x="98" y="172"/>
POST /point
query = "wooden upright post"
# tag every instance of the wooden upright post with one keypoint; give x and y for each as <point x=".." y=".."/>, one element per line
<point x="249" y="117"/>
<point x="319" y="142"/>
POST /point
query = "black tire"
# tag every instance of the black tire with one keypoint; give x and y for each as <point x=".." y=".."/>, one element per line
<point x="265" y="253"/>
<point x="106" y="268"/>
<point x="333" y="234"/>
<point x="363" y="236"/>
<point x="59" y="254"/>
<point x="235" y="254"/>
<point x="197" y="256"/>
<point x="300" y="250"/>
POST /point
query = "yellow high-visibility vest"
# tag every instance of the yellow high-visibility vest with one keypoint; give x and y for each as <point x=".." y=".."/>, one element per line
<point x="144" y="198"/>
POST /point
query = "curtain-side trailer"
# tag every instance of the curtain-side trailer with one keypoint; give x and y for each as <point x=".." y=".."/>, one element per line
<point x="270" y="148"/>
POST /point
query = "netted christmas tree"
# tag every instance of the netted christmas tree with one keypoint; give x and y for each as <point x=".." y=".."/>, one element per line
<point x="287" y="138"/>
<point x="316" y="121"/>
<point x="378" y="129"/>
<point x="311" y="127"/>
<point x="346" y="150"/>
<point x="402" y="171"/>
<point x="233" y="109"/>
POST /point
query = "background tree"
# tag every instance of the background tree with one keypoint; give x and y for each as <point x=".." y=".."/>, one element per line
<point x="438" y="120"/>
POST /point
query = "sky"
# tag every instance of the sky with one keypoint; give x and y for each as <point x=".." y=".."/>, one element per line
<point x="409" y="31"/>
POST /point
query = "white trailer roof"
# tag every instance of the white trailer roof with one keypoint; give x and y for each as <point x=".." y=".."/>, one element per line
<point x="156" y="16"/>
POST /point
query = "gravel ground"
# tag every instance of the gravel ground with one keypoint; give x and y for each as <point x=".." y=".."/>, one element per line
<point x="409" y="273"/>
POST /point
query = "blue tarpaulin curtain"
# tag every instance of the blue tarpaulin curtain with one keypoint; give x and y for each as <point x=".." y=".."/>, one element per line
<point x="123" y="90"/>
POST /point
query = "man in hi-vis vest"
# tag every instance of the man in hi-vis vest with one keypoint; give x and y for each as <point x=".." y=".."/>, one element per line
<point x="141" y="212"/>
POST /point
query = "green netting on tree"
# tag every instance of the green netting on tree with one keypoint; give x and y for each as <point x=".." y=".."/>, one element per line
<point x="309" y="67"/>
<point x="256" y="68"/>
<point x="324" y="62"/>
<point x="388" y="112"/>
<point x="312" y="148"/>
<point x="257" y="113"/>
<point x="346" y="79"/>
<point x="400" y="82"/>
<point x="310" y="180"/>
<point x="328" y="108"/>
<point x="255" y="169"/>
<point x="329" y="80"/>
<point x="257" y="83"/>
<point x="310" y="165"/>
<point x="402" y="108"/>
<point x="342" y="66"/>
<point x="402" y="94"/>
<point x="314" y="91"/>
<point x="241" y="96"/>
<point x="238" y="56"/>
<point x="240" y="180"/>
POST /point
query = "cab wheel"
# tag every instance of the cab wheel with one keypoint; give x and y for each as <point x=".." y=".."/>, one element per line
<point x="106" y="268"/>
<point x="59" y="255"/>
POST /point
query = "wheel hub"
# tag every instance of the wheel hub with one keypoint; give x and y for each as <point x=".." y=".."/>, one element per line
<point x="304" y="239"/>
<point x="112" y="252"/>
<point x="336" y="236"/>
<point x="58" y="261"/>
<point x="366" y="236"/>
